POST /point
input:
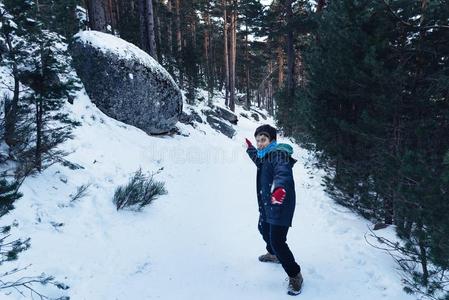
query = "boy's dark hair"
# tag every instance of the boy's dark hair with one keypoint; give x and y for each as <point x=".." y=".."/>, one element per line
<point x="267" y="130"/>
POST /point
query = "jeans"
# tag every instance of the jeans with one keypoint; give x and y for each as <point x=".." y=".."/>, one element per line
<point x="276" y="238"/>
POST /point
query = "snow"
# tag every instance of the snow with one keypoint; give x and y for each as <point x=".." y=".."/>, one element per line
<point x="109" y="44"/>
<point x="200" y="241"/>
<point x="81" y="14"/>
<point x="6" y="81"/>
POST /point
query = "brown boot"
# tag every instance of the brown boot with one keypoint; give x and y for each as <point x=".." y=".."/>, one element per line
<point x="295" y="285"/>
<point x="269" y="258"/>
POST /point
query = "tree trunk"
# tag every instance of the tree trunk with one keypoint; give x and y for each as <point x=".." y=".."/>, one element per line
<point x="233" y="56"/>
<point x="290" y="53"/>
<point x="11" y="110"/>
<point x="150" y="28"/>
<point x="248" y="96"/>
<point x="38" y="152"/>
<point x="388" y="211"/>
<point x="270" y="91"/>
<point x="280" y="58"/>
<point x="178" y="26"/>
<point x="226" y="54"/>
<point x="116" y="13"/>
<point x="178" y="41"/>
<point x="170" y="30"/>
<point x="157" y="29"/>
<point x="193" y="29"/>
<point x="143" y="26"/>
<point x="99" y="14"/>
<point x="207" y="43"/>
<point x="111" y="18"/>
<point x="421" y="237"/>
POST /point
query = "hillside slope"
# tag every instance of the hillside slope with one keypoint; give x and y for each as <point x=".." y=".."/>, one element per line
<point x="198" y="242"/>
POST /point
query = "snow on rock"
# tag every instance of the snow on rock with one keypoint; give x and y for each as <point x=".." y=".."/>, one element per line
<point x="110" y="44"/>
<point x="125" y="82"/>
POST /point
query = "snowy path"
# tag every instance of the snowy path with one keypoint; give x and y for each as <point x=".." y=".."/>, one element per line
<point x="198" y="242"/>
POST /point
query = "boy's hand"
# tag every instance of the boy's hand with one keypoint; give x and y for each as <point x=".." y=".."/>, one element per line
<point x="278" y="196"/>
<point x="248" y="143"/>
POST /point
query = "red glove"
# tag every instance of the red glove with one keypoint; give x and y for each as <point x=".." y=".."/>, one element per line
<point x="248" y="143"/>
<point x="278" y="196"/>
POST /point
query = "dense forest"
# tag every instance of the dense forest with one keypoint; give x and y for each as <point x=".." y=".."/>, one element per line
<point x="364" y="84"/>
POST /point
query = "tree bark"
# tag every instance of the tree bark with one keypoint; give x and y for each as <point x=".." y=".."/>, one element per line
<point x="280" y="58"/>
<point x="99" y="12"/>
<point x="270" y="91"/>
<point x="146" y="26"/>
<point x="178" y="42"/>
<point x="226" y="54"/>
<point x="143" y="26"/>
<point x="207" y="52"/>
<point x="233" y="48"/>
<point x="39" y="121"/>
<point x="248" y="96"/>
<point x="150" y="29"/>
<point x="111" y="18"/>
<point x="170" y="28"/>
<point x="157" y="30"/>
<point x="11" y="110"/>
<point x="290" y="52"/>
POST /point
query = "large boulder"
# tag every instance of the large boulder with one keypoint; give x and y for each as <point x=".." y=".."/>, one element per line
<point x="222" y="113"/>
<point x="227" y="114"/>
<point x="255" y="111"/>
<point x="220" y="126"/>
<point x="219" y="119"/>
<point x="125" y="82"/>
<point x="189" y="118"/>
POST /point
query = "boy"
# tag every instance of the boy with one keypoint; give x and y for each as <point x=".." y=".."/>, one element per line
<point x="276" y="199"/>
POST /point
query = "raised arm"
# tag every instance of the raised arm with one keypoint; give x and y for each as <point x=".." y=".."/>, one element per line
<point x="252" y="152"/>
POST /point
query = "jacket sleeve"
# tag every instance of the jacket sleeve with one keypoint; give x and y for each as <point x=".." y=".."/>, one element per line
<point x="282" y="172"/>
<point x="252" y="153"/>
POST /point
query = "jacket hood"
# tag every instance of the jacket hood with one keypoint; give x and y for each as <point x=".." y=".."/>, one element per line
<point x="286" y="148"/>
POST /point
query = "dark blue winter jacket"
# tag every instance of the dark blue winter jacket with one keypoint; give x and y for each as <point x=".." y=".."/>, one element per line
<point x="274" y="170"/>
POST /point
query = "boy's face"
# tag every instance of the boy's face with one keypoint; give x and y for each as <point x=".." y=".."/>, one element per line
<point x="262" y="141"/>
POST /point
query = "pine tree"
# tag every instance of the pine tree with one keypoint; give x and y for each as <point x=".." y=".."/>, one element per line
<point x="8" y="194"/>
<point x="251" y="14"/>
<point x="293" y="20"/>
<point x="375" y="107"/>
<point x="17" y="25"/>
<point x="60" y="16"/>
<point x="40" y="63"/>
<point x="52" y="88"/>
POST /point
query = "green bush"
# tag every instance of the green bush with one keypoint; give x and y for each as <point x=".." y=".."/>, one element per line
<point x="140" y="191"/>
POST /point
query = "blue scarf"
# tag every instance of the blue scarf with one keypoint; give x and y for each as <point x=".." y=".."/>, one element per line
<point x="261" y="153"/>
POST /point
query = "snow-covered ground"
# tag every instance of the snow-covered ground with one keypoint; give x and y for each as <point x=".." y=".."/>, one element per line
<point x="200" y="241"/>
